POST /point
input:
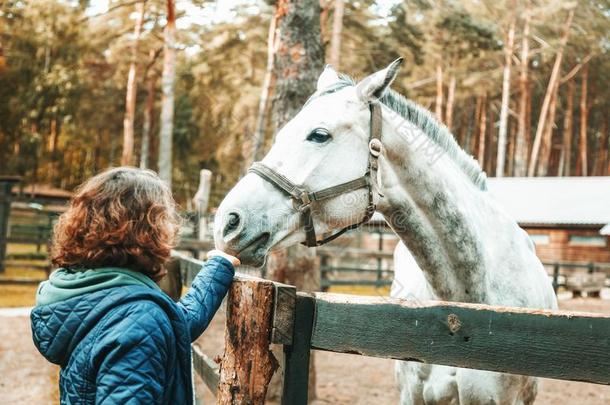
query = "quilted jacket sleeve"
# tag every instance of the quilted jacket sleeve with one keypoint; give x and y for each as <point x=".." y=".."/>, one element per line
<point x="131" y="356"/>
<point x="206" y="293"/>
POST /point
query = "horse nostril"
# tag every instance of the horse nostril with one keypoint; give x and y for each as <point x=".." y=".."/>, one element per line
<point x="232" y="223"/>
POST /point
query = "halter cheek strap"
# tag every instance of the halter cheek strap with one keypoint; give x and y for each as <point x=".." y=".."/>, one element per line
<point x="303" y="197"/>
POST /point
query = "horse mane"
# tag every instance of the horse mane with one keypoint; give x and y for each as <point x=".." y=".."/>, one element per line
<point x="424" y="120"/>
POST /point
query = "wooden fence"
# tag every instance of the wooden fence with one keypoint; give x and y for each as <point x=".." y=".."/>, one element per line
<point x="341" y="266"/>
<point x="349" y="266"/>
<point x="552" y="344"/>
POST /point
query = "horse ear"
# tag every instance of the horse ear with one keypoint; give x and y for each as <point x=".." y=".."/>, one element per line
<point x="327" y="78"/>
<point x="372" y="87"/>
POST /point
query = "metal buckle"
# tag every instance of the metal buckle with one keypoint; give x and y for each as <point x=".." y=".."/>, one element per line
<point x="302" y="200"/>
<point x="375" y="146"/>
<point x="305" y="198"/>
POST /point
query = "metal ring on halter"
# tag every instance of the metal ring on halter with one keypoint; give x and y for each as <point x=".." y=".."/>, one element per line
<point x="375" y="147"/>
<point x="303" y="197"/>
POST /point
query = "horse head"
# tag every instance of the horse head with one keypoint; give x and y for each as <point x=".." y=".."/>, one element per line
<point x="316" y="179"/>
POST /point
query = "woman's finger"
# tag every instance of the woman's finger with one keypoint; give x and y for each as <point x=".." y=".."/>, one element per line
<point x="234" y="260"/>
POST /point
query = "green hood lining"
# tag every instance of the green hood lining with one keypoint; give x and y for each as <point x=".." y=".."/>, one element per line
<point x="64" y="284"/>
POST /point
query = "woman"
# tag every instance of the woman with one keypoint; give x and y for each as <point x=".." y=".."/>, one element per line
<point x="101" y="316"/>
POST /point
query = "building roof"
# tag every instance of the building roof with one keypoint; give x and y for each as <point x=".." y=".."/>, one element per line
<point x="551" y="200"/>
<point x="554" y="200"/>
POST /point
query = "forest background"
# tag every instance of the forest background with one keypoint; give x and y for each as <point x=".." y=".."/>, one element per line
<point x="192" y="84"/>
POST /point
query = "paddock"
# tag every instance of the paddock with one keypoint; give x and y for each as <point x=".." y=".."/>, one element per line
<point x="560" y="345"/>
<point x="344" y="347"/>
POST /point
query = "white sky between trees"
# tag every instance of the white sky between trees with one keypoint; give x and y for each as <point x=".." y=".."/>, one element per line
<point x="218" y="11"/>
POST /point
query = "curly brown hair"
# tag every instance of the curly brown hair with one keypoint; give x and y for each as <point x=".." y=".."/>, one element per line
<point x="122" y="217"/>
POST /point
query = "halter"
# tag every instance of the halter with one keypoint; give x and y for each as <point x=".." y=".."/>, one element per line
<point x="304" y="197"/>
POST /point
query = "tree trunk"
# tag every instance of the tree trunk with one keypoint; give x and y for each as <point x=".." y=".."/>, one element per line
<point x="477" y="121"/>
<point x="510" y="165"/>
<point x="565" y="163"/>
<point x="601" y="152"/>
<point x="584" y="112"/>
<point x="449" y="106"/>
<point x="606" y="146"/>
<point x="335" y="41"/>
<point x="132" y="88"/>
<point x="149" y="112"/>
<point x="482" y="130"/>
<point x="52" y="145"/>
<point x="547" y="97"/>
<point x="297" y="63"/>
<point x="261" y="120"/>
<point x="508" y="60"/>
<point x="299" y="59"/>
<point x="547" y="136"/>
<point x="492" y="142"/>
<point x="438" y="105"/>
<point x="523" y="129"/>
<point x="607" y="152"/>
<point x="470" y="123"/>
<point x="167" y="101"/>
<point x="325" y="6"/>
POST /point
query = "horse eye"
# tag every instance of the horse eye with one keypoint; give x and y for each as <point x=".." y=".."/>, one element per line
<point x="318" y="135"/>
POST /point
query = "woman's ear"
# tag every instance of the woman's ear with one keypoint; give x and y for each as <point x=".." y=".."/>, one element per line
<point x="372" y="87"/>
<point x="327" y="78"/>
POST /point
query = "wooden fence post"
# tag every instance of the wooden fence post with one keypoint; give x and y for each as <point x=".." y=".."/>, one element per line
<point x="295" y="390"/>
<point x="6" y="185"/>
<point x="201" y="200"/>
<point x="379" y="260"/>
<point x="555" y="277"/>
<point x="247" y="364"/>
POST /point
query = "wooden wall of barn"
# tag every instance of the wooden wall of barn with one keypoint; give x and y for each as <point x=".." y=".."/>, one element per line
<point x="570" y="244"/>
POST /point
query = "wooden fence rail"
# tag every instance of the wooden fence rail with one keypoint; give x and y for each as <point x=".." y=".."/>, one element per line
<point x="207" y="369"/>
<point x="553" y="344"/>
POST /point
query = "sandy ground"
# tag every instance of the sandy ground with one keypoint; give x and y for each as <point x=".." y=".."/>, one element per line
<point x="26" y="378"/>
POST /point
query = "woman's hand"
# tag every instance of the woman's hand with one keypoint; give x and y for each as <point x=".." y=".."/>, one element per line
<point x="234" y="260"/>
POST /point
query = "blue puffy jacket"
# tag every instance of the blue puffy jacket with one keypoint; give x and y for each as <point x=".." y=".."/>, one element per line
<point x="128" y="343"/>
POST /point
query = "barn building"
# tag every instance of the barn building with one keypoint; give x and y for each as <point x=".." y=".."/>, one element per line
<point x="568" y="218"/>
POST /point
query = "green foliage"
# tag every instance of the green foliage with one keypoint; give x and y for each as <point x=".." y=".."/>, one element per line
<point x="462" y="35"/>
<point x="63" y="74"/>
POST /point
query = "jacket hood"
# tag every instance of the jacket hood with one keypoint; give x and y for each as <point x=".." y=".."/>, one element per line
<point x="71" y="303"/>
<point x="64" y="284"/>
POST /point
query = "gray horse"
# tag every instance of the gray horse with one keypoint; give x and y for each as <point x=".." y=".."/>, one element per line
<point x="462" y="246"/>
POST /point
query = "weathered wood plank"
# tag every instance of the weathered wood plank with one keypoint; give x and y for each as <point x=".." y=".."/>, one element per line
<point x="206" y="369"/>
<point x="284" y="302"/>
<point x="247" y="364"/>
<point x="296" y="356"/>
<point x="552" y="344"/>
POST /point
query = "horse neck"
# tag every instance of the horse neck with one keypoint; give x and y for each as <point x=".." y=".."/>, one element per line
<point x="429" y="202"/>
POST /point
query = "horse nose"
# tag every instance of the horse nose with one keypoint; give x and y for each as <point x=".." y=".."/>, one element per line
<point x="233" y="221"/>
